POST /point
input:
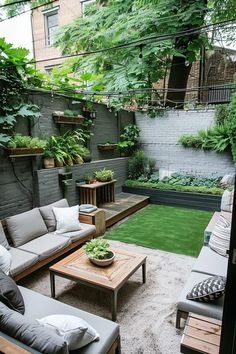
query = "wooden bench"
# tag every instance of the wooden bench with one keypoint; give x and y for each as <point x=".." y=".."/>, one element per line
<point x="201" y="335"/>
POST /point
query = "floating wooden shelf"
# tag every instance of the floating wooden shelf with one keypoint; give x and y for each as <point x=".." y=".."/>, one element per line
<point x="106" y="147"/>
<point x="60" y="118"/>
<point x="21" y="152"/>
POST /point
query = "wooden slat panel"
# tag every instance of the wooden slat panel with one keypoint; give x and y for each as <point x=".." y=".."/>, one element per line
<point x="204" y="318"/>
<point x="198" y="346"/>
<point x="203" y="325"/>
<point x="202" y="335"/>
<point x="7" y="347"/>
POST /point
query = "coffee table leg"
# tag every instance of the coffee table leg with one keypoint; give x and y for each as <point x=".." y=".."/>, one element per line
<point x="144" y="272"/>
<point x="52" y="284"/>
<point x="114" y="305"/>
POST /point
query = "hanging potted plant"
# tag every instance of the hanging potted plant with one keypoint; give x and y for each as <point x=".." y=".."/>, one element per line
<point x="48" y="159"/>
<point x="108" y="146"/>
<point x="68" y="117"/>
<point x="99" y="252"/>
<point x="20" y="145"/>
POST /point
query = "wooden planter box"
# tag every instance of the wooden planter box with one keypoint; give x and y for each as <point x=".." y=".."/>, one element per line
<point x="192" y="200"/>
<point x="18" y="152"/>
<point x="106" y="147"/>
<point x="60" y="118"/>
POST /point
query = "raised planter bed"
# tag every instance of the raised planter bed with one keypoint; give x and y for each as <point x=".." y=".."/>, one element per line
<point x="106" y="147"/>
<point x="19" y="152"/>
<point x="192" y="200"/>
<point x="61" y="118"/>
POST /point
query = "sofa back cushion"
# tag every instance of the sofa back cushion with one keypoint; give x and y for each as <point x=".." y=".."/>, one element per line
<point x="26" y="226"/>
<point x="48" y="215"/>
<point x="45" y="340"/>
<point x="3" y="239"/>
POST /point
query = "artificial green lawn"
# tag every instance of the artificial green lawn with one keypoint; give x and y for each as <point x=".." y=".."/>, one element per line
<point x="171" y="229"/>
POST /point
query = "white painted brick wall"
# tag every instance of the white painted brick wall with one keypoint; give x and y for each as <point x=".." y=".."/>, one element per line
<point x="159" y="138"/>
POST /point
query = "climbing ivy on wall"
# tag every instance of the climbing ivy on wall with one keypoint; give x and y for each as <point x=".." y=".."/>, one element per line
<point x="15" y="76"/>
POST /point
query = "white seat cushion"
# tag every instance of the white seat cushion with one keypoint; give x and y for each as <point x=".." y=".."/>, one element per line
<point x="211" y="263"/>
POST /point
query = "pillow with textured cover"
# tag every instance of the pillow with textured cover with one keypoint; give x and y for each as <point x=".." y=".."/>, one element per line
<point x="208" y="290"/>
<point x="74" y="330"/>
<point x="31" y="333"/>
<point x="10" y="294"/>
<point x="67" y="219"/>
<point x="5" y="260"/>
<point x="220" y="237"/>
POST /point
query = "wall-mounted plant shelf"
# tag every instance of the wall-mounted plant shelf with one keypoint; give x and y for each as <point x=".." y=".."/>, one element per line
<point x="106" y="147"/>
<point x="21" y="152"/>
<point x="61" y="118"/>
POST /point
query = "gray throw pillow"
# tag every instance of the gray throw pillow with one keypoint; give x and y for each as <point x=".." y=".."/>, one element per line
<point x="45" y="340"/>
<point x="10" y="294"/>
<point x="3" y="239"/>
<point x="48" y="215"/>
<point x="26" y="226"/>
<point x="208" y="290"/>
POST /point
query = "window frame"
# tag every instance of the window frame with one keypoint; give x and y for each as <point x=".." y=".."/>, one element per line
<point x="47" y="13"/>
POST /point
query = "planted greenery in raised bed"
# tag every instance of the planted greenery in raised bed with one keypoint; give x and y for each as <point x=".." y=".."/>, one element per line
<point x="25" y="145"/>
<point x="180" y="182"/>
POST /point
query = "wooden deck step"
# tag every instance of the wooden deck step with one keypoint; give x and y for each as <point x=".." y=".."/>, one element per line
<point x="125" y="204"/>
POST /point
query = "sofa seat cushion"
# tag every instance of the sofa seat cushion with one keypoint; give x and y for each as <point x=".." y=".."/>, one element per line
<point x="211" y="263"/>
<point x="21" y="260"/>
<point x="37" y="306"/>
<point x="86" y="230"/>
<point x="46" y="245"/>
<point x="26" y="226"/>
<point x="48" y="215"/>
<point x="213" y="309"/>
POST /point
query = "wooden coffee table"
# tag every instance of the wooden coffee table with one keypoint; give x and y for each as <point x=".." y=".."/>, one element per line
<point x="110" y="279"/>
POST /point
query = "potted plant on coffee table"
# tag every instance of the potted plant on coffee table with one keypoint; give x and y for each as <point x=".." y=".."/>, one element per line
<point x="99" y="252"/>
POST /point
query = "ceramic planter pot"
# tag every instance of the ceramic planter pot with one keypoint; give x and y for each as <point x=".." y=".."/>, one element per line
<point x="48" y="163"/>
<point x="103" y="262"/>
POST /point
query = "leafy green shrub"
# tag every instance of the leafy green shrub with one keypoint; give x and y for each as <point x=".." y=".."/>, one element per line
<point x="140" y="166"/>
<point x="190" y="140"/>
<point x="183" y="179"/>
<point x="221" y="113"/>
<point x="21" y="141"/>
<point x="104" y="175"/>
<point x="231" y="124"/>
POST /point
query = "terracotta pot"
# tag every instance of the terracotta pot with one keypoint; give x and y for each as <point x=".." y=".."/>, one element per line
<point x="59" y="163"/>
<point x="48" y="163"/>
<point x="78" y="160"/>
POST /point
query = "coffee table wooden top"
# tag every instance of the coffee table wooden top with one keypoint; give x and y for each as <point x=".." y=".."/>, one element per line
<point x="77" y="266"/>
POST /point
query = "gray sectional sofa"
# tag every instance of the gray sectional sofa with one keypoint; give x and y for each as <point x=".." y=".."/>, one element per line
<point x="208" y="263"/>
<point x="38" y="306"/>
<point x="32" y="242"/>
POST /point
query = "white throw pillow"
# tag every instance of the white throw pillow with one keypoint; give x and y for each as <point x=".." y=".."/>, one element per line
<point x="75" y="331"/>
<point x="227" y="200"/>
<point x="5" y="260"/>
<point x="67" y="219"/>
<point x="220" y="237"/>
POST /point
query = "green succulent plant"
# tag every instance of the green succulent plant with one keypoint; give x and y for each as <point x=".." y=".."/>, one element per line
<point x="98" y="249"/>
<point x="104" y="175"/>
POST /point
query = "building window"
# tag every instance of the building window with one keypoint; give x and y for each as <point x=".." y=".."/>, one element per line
<point x="51" y="24"/>
<point x="85" y="4"/>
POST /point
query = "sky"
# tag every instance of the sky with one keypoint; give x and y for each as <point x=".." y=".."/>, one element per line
<point x="18" y="31"/>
